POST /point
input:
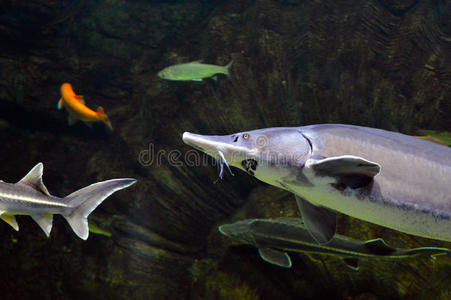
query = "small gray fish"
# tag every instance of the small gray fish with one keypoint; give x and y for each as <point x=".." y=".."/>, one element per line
<point x="273" y="237"/>
<point x="193" y="71"/>
<point x="30" y="196"/>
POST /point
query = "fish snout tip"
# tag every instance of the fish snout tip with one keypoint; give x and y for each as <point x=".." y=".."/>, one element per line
<point x="161" y="74"/>
<point x="223" y="230"/>
<point x="124" y="182"/>
<point x="186" y="136"/>
<point x="193" y="141"/>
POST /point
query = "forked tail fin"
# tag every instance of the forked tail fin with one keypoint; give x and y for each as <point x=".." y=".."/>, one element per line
<point x="227" y="68"/>
<point x="85" y="200"/>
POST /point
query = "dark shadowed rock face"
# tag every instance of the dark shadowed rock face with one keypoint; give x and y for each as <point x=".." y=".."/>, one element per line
<point x="384" y="64"/>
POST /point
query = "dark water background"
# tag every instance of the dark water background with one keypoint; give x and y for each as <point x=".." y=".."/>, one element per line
<point x="384" y="64"/>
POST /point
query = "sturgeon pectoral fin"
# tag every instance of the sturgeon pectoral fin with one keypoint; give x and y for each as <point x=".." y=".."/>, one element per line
<point x="197" y="80"/>
<point x="11" y="220"/>
<point x="320" y="222"/>
<point x="343" y="165"/>
<point x="45" y="222"/>
<point x="352" y="263"/>
<point x="34" y="179"/>
<point x="275" y="257"/>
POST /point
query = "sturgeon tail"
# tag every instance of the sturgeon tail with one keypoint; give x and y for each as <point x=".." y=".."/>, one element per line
<point x="85" y="200"/>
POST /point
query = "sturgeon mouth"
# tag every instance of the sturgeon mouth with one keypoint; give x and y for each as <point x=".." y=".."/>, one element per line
<point x="250" y="165"/>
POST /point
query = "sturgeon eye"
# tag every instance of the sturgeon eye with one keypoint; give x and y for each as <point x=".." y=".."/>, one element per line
<point x="245" y="136"/>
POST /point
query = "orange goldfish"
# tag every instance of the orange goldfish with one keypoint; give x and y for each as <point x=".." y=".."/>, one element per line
<point x="75" y="106"/>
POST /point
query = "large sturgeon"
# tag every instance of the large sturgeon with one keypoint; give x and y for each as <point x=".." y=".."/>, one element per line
<point x="383" y="177"/>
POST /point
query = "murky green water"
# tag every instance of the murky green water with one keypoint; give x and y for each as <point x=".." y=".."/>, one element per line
<point x="375" y="63"/>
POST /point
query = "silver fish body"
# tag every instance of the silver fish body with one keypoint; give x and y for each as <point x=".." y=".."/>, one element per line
<point x="383" y="177"/>
<point x="30" y="196"/>
<point x="19" y="199"/>
<point x="412" y="191"/>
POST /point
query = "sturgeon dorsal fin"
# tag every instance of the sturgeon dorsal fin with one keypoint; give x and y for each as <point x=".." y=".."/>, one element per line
<point x="34" y="179"/>
<point x="321" y="222"/>
<point x="379" y="247"/>
<point x="44" y="221"/>
<point x="275" y="257"/>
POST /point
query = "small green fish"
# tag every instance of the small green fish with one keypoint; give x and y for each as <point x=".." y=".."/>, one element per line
<point x="194" y="71"/>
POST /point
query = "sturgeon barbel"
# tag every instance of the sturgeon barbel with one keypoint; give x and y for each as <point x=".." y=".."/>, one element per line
<point x="30" y="196"/>
<point x="379" y="176"/>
